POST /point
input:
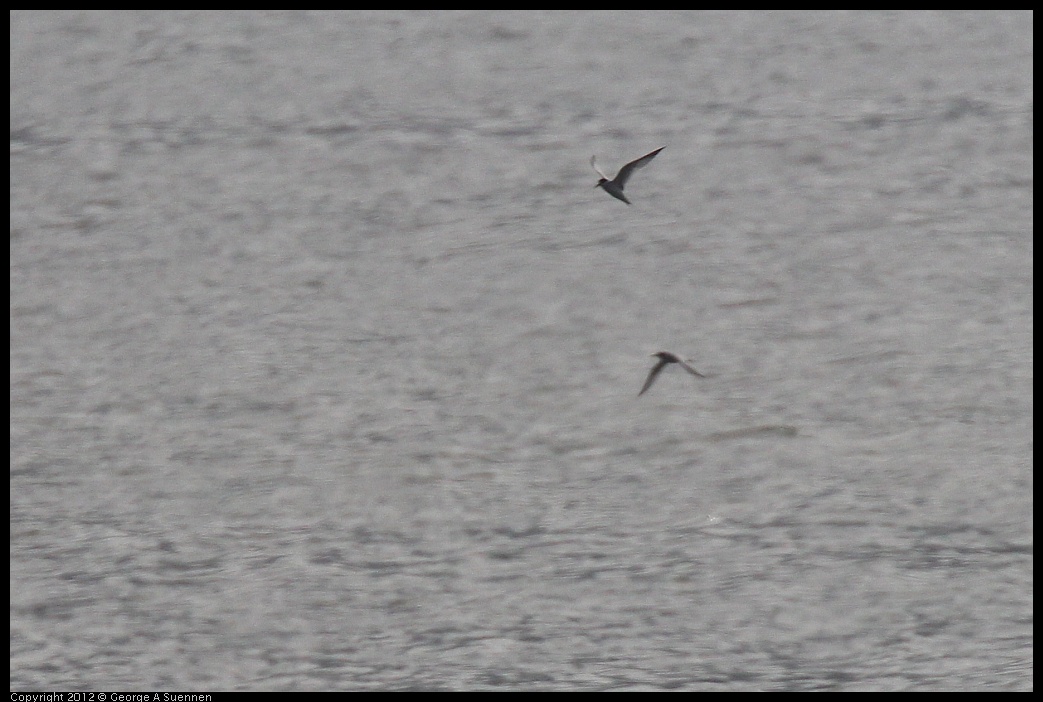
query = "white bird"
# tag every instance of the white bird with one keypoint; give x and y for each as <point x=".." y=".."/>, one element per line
<point x="614" y="186"/>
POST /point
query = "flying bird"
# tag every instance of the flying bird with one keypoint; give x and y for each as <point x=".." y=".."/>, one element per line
<point x="614" y="186"/>
<point x="665" y="359"/>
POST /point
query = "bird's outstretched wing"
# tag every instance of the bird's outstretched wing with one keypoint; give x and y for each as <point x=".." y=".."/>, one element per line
<point x="593" y="163"/>
<point x="652" y="375"/>
<point x="690" y="369"/>
<point x="626" y="171"/>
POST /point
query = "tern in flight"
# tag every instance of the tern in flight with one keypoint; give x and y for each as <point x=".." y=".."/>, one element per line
<point x="614" y="186"/>
<point x="665" y="359"/>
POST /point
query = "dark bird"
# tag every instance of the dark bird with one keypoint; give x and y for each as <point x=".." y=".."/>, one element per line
<point x="614" y="186"/>
<point x="665" y="359"/>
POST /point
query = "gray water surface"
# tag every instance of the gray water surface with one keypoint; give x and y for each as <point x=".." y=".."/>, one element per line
<point x="325" y="351"/>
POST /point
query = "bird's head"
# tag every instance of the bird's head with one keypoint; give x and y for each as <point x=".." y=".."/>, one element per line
<point x="601" y="181"/>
